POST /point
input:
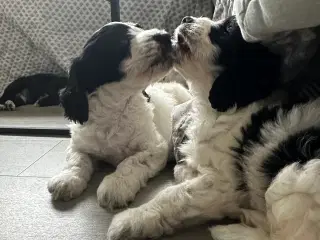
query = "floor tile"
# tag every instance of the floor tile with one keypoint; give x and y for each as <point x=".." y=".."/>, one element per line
<point x="27" y="211"/>
<point x="54" y="161"/>
<point x="51" y="163"/>
<point x="18" y="154"/>
<point x="27" y="138"/>
<point x="30" y="116"/>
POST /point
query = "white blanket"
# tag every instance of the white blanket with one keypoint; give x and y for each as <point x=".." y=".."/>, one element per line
<point x="273" y="21"/>
<point x="261" y="19"/>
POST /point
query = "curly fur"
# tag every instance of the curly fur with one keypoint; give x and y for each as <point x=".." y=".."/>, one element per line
<point x="249" y="161"/>
<point x="112" y="119"/>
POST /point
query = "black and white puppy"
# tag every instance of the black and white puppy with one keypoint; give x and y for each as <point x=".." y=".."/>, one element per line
<point x="240" y="159"/>
<point x="113" y="119"/>
<point x="41" y="90"/>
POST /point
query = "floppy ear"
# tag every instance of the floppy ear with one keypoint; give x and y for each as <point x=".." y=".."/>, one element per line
<point x="74" y="99"/>
<point x="249" y="76"/>
<point x="75" y="104"/>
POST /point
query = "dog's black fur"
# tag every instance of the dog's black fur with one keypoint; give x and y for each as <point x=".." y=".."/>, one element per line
<point x="95" y="67"/>
<point x="41" y="89"/>
<point x="250" y="71"/>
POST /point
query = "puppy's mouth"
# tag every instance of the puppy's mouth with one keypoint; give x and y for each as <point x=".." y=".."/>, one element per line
<point x="181" y="41"/>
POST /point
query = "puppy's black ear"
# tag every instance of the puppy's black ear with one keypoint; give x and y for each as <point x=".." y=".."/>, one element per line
<point x="74" y="98"/>
<point x="75" y="104"/>
<point x="249" y="75"/>
<point x="222" y="95"/>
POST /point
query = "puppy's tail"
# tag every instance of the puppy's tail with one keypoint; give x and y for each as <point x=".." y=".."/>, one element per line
<point x="293" y="203"/>
<point x="75" y="104"/>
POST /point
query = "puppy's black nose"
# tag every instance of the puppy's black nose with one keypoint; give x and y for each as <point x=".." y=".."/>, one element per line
<point x="164" y="39"/>
<point x="187" y="19"/>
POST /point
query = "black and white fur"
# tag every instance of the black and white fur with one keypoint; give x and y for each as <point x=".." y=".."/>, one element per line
<point x="242" y="159"/>
<point x="42" y="90"/>
<point x="113" y="120"/>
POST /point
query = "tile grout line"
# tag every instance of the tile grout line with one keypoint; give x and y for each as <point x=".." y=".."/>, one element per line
<point x="14" y="176"/>
<point x="39" y="158"/>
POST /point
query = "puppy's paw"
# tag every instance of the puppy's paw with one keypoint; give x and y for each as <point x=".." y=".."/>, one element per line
<point x="2" y="107"/>
<point x="66" y="186"/>
<point x="183" y="172"/>
<point x="114" y="193"/>
<point x="10" y="106"/>
<point x="135" y="224"/>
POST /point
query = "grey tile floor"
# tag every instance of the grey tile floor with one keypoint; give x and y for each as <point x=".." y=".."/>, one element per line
<point x="26" y="209"/>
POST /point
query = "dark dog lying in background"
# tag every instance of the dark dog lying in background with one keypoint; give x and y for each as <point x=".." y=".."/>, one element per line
<point x="40" y="89"/>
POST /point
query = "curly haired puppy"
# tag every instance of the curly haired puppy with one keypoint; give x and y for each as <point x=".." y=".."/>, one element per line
<point x="241" y="158"/>
<point x="114" y="118"/>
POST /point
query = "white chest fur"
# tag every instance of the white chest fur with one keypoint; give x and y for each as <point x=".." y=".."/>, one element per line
<point x="119" y="127"/>
<point x="115" y="130"/>
<point x="211" y="137"/>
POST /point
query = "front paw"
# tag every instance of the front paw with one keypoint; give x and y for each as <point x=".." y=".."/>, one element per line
<point x="114" y="193"/>
<point x="135" y="224"/>
<point x="66" y="186"/>
<point x="10" y="106"/>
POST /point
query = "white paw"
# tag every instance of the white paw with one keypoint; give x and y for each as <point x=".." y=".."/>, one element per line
<point x="66" y="186"/>
<point x="10" y="106"/>
<point x="183" y="172"/>
<point x="115" y="193"/>
<point x="135" y="223"/>
<point x="2" y="107"/>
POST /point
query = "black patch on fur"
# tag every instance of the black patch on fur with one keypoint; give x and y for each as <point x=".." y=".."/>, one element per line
<point x="101" y="58"/>
<point x="251" y="134"/>
<point x="250" y="71"/>
<point x="288" y="152"/>
<point x="300" y="147"/>
<point x="99" y="63"/>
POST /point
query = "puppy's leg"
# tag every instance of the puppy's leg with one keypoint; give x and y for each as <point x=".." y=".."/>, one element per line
<point x="72" y="181"/>
<point x="190" y="202"/>
<point x="119" y="188"/>
<point x="293" y="203"/>
<point x="48" y="100"/>
<point x="7" y="100"/>
<point x="10" y="105"/>
<point x="13" y="89"/>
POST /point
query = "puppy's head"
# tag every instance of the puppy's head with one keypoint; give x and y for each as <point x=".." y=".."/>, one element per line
<point x="115" y="53"/>
<point x="214" y="57"/>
